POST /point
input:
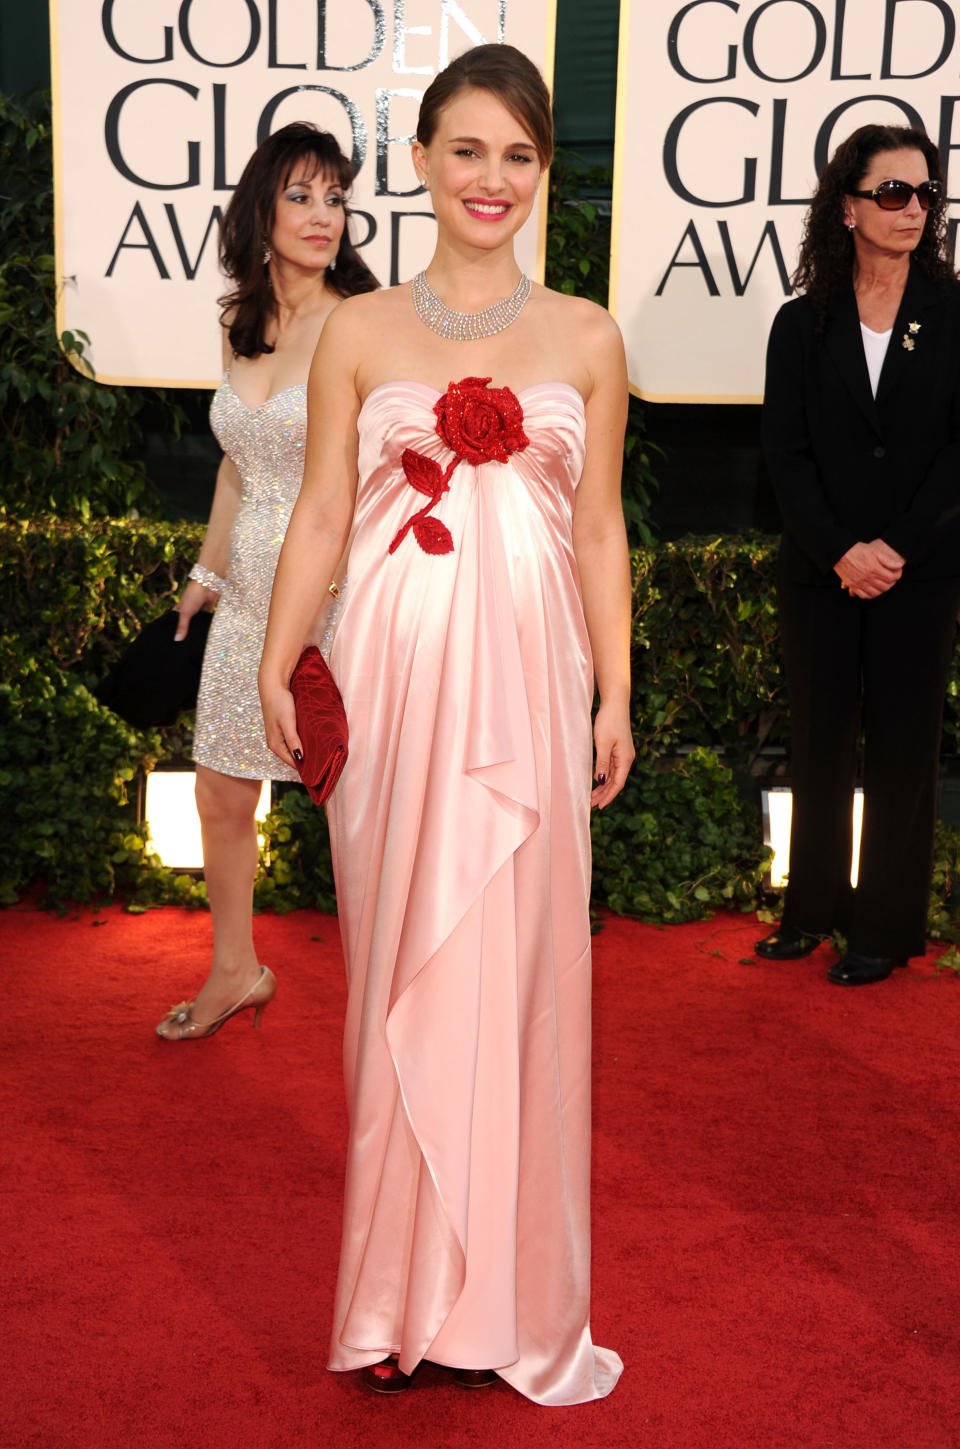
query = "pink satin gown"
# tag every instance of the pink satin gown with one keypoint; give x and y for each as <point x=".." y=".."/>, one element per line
<point x="460" y="832"/>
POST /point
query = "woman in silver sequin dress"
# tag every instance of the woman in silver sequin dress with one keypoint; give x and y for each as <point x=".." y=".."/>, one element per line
<point x="284" y="245"/>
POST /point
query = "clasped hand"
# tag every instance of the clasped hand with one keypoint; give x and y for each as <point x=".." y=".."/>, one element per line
<point x="868" y="570"/>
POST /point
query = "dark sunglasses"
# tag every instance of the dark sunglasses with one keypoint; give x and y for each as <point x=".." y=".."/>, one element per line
<point x="895" y="195"/>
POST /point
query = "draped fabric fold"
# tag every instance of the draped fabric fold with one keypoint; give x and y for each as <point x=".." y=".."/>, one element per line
<point x="460" y="833"/>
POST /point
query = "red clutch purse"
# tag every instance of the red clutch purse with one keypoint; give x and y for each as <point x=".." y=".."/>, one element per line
<point x="321" y="724"/>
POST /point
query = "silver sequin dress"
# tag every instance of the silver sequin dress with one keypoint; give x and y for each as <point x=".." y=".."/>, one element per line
<point x="266" y="444"/>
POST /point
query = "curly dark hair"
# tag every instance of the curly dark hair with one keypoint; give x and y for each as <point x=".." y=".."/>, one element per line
<point x="248" y="221"/>
<point x="826" y="252"/>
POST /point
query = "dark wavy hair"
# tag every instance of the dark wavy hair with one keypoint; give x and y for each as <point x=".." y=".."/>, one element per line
<point x="248" y="223"/>
<point x="507" y="74"/>
<point x="826" y="252"/>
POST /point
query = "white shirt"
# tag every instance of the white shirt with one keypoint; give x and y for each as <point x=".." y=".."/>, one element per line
<point x="875" y="346"/>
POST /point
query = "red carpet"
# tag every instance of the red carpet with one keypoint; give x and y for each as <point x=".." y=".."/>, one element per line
<point x="776" y="1234"/>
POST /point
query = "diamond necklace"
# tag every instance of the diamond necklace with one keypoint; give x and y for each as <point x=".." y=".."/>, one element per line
<point x="466" y="326"/>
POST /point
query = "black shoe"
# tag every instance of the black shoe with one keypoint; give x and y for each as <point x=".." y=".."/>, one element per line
<point x="856" y="970"/>
<point x="474" y="1378"/>
<point x="786" y="944"/>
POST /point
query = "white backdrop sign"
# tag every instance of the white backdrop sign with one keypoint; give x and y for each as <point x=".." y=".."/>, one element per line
<point x="157" y="107"/>
<point x="727" y="111"/>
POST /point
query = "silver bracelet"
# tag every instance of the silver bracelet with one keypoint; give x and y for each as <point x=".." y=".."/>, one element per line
<point x="202" y="575"/>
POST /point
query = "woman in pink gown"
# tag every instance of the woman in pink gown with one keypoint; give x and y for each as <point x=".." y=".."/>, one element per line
<point x="488" y="590"/>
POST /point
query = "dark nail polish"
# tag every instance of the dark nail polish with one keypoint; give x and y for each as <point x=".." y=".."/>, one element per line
<point x="298" y="756"/>
<point x="601" y="778"/>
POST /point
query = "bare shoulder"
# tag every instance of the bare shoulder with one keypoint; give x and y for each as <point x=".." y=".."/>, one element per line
<point x="370" y="308"/>
<point x="577" y="311"/>
<point x="358" y="322"/>
<point x="353" y="333"/>
<point x="350" y="319"/>
<point x="588" y="332"/>
<point x="577" y="317"/>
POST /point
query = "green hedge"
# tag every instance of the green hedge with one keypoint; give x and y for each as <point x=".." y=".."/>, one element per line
<point x="708" y="709"/>
<point x="706" y="653"/>
<point x="68" y="443"/>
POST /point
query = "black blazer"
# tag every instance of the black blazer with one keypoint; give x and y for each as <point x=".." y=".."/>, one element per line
<point x="847" y="467"/>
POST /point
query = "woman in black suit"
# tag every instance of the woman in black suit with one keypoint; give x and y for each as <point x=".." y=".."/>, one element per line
<point x="861" y="432"/>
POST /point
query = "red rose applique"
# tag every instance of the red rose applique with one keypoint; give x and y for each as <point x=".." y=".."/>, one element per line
<point x="479" y="424"/>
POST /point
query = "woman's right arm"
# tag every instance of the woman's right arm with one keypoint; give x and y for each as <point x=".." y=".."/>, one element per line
<point x="788" y="446"/>
<point x="319" y="525"/>
<point x="215" y="549"/>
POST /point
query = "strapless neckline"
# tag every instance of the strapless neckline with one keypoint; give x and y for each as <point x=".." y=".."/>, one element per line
<point x="436" y="392"/>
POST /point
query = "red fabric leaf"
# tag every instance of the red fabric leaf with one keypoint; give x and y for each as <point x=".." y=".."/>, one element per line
<point x="422" y="473"/>
<point x="432" y="535"/>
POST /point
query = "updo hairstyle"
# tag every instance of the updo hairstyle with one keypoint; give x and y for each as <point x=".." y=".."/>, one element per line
<point x="507" y="74"/>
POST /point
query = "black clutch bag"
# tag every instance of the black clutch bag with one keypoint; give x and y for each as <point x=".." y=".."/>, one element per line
<point x="155" y="677"/>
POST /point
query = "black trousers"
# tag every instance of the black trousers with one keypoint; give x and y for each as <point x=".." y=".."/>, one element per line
<point x="876" y="667"/>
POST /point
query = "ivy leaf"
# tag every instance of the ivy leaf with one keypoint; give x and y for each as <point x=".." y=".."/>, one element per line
<point x="422" y="473"/>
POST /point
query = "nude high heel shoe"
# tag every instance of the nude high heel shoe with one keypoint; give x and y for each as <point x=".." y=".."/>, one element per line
<point x="179" y="1025"/>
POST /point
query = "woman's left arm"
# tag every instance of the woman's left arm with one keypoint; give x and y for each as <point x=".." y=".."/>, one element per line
<point x="935" y="505"/>
<point x="603" y="559"/>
